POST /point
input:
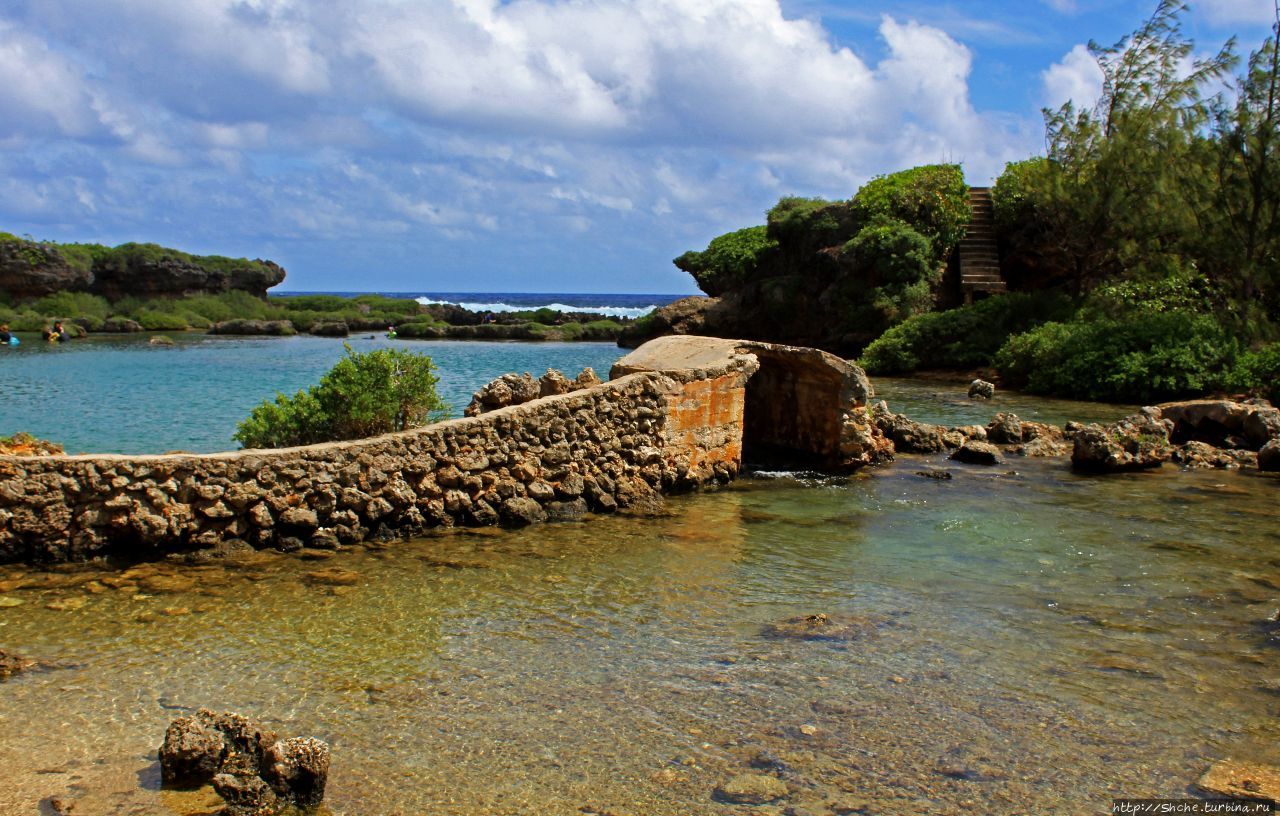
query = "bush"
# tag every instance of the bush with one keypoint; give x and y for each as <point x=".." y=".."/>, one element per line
<point x="812" y="222"/>
<point x="1259" y="371"/>
<point x="933" y="199"/>
<point x="728" y="261"/>
<point x="364" y="394"/>
<point x="962" y="338"/>
<point x="1015" y="193"/>
<point x="153" y="320"/>
<point x="73" y="305"/>
<point x="1144" y="357"/>
<point x="896" y="263"/>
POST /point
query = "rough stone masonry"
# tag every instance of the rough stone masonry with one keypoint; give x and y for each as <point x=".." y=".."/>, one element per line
<point x="675" y="417"/>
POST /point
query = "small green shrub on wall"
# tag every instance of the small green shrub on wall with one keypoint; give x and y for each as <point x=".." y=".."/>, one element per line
<point x="365" y="394"/>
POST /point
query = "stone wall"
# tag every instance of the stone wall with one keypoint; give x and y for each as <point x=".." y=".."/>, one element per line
<point x="652" y="430"/>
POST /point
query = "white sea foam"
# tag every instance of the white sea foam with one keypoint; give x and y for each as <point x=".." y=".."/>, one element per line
<point x="611" y="311"/>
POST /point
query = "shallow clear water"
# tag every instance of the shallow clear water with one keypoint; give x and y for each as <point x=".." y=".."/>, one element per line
<point x="946" y="402"/>
<point x="121" y="395"/>
<point x="1028" y="641"/>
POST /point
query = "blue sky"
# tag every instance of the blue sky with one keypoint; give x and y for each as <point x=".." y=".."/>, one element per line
<point x="534" y="145"/>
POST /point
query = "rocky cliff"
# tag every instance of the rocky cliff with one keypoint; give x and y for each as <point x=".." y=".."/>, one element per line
<point x="30" y="269"/>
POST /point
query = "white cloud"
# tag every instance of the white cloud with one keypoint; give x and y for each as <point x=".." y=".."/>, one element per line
<point x="1076" y="78"/>
<point x="307" y="118"/>
<point x="1223" y="12"/>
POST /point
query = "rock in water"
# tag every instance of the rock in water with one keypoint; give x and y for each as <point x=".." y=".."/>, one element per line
<point x="1269" y="456"/>
<point x="981" y="389"/>
<point x="752" y="789"/>
<point x="298" y="769"/>
<point x="1005" y="429"/>
<point x="977" y="453"/>
<point x="254" y="771"/>
<point x="1134" y="443"/>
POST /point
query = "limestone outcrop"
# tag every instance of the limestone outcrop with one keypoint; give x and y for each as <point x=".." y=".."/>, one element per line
<point x="251" y="768"/>
<point x="31" y="269"/>
<point x="11" y="664"/>
<point x="1137" y="442"/>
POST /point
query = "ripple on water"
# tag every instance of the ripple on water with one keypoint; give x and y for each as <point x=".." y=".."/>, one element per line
<point x="1034" y="644"/>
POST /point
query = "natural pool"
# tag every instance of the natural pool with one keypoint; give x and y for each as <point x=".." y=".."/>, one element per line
<point x="1027" y="641"/>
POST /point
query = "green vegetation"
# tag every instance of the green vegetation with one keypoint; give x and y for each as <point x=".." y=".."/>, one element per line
<point x="963" y="338"/>
<point x="728" y="261"/>
<point x="838" y="273"/>
<point x="1143" y="249"/>
<point x="364" y="394"/>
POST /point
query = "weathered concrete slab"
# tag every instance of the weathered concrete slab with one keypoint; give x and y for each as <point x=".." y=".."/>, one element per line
<point x="687" y="355"/>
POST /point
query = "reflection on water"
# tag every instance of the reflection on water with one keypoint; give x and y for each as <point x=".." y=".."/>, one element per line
<point x="946" y="402"/>
<point x="1040" y="642"/>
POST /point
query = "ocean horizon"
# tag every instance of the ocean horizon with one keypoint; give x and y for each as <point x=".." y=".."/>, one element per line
<point x="613" y="304"/>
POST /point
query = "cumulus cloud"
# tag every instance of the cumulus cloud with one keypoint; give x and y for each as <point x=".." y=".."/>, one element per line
<point x="464" y="116"/>
<point x="1075" y="78"/>
<point x="1223" y="12"/>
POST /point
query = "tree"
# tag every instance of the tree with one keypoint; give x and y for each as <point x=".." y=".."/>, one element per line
<point x="1241" y="216"/>
<point x="1113" y="191"/>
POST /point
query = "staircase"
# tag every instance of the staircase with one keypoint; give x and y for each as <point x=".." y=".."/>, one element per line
<point x="979" y="260"/>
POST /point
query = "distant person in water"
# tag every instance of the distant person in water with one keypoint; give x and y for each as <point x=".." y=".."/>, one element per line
<point x="57" y="334"/>
<point x="489" y="317"/>
<point x="5" y="336"/>
<point x="391" y="332"/>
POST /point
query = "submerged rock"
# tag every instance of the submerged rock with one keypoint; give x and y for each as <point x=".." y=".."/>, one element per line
<point x="819" y="627"/>
<point x="752" y="789"/>
<point x="11" y="664"/>
<point x="1241" y="780"/>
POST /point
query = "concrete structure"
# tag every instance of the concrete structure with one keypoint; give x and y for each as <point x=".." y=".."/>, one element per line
<point x="679" y="413"/>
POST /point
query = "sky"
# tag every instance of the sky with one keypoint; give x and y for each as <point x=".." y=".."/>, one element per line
<point x="524" y="146"/>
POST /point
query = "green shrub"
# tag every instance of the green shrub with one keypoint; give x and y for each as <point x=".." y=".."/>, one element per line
<point x="1143" y="357"/>
<point x="896" y="263"/>
<point x="73" y="305"/>
<point x="1016" y="192"/>
<point x="154" y="320"/>
<point x="1259" y="371"/>
<point x="364" y="394"/>
<point x="933" y="199"/>
<point x="728" y="261"/>
<point x="812" y="222"/>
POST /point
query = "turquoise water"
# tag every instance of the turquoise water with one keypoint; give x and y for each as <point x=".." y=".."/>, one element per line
<point x="121" y="395"/>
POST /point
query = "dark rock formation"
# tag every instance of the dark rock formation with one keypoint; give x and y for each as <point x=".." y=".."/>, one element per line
<point x="1269" y="456"/>
<point x="121" y="325"/>
<point x="254" y="771"/>
<point x="29" y="270"/>
<point x="1137" y="442"/>
<point x="332" y="329"/>
<point x="909" y="436"/>
<point x="981" y="389"/>
<point x="684" y="316"/>
<point x="1221" y="423"/>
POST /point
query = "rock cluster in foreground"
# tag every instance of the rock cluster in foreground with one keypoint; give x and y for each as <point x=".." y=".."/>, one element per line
<point x="517" y="389"/>
<point x="250" y="767"/>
